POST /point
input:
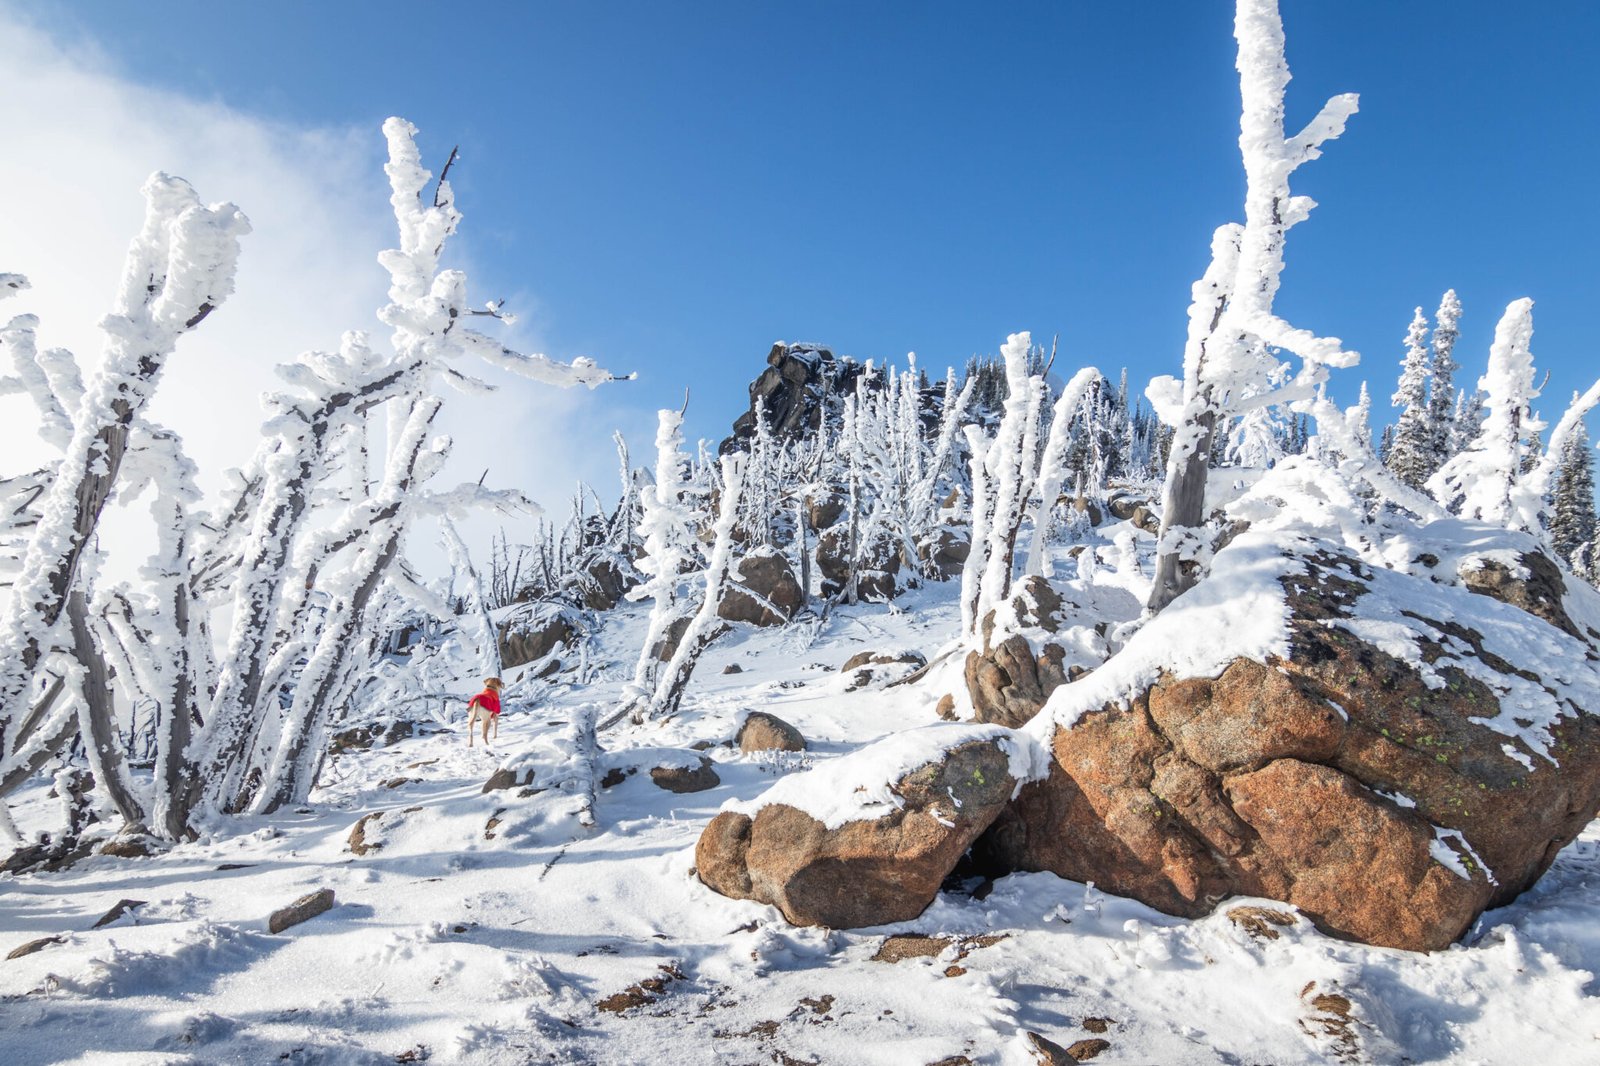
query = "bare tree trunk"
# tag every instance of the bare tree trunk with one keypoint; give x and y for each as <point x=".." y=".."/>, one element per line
<point x="96" y="718"/>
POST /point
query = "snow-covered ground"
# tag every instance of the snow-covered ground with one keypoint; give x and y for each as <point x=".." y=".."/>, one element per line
<point x="538" y="940"/>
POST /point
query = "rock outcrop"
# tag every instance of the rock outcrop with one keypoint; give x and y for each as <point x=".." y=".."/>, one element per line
<point x="884" y="868"/>
<point x="1392" y="800"/>
<point x="801" y="384"/>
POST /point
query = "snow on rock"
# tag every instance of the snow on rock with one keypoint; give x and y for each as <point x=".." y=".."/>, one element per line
<point x="870" y="837"/>
<point x="861" y="786"/>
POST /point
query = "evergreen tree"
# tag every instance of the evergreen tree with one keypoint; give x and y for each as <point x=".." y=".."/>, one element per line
<point x="1442" y="389"/>
<point x="1572" y="520"/>
<point x="1411" y="450"/>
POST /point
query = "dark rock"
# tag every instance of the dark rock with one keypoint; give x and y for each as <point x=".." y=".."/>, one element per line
<point x="301" y="910"/>
<point x="615" y="776"/>
<point x="364" y="737"/>
<point x="946" y="707"/>
<point x="1123" y="506"/>
<point x="680" y="780"/>
<point x="945" y="555"/>
<point x="879" y="563"/>
<point x="868" y="872"/>
<point x="802" y="385"/>
<point x="767" y="732"/>
<point x="733" y="668"/>
<point x="664" y="649"/>
<point x="1084" y="1050"/>
<point x="1047" y="1052"/>
<point x="1147" y="520"/>
<point x="606" y="580"/>
<point x="763" y="590"/>
<point x="826" y="507"/>
<point x="883" y="658"/>
<point x="1007" y="682"/>
<point x="131" y="846"/>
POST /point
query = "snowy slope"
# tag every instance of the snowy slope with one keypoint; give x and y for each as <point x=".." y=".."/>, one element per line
<point x="452" y="947"/>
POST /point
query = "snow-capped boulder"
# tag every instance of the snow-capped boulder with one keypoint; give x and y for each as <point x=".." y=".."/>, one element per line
<point x="764" y="591"/>
<point x="678" y="777"/>
<point x="870" y="669"/>
<point x="1388" y="752"/>
<point x="532" y="631"/>
<point x="867" y="838"/>
<point x="1122" y="505"/>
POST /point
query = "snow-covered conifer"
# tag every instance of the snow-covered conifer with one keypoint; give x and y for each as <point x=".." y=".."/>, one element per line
<point x="1412" y="446"/>
<point x="1442" y="368"/>
<point x="1479" y="482"/>
<point x="1572" y="511"/>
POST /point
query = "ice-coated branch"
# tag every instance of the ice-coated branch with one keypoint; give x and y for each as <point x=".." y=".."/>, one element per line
<point x="703" y="625"/>
<point x="178" y="270"/>
<point x="1053" y="464"/>
<point x="1231" y="361"/>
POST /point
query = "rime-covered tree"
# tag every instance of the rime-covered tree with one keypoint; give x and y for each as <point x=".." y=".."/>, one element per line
<point x="1442" y="369"/>
<point x="1478" y="483"/>
<point x="1411" y="449"/>
<point x="1233" y="329"/>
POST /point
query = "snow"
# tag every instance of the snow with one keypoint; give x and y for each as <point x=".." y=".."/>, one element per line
<point x="1238" y="611"/>
<point x="498" y="950"/>
<point x="859" y="787"/>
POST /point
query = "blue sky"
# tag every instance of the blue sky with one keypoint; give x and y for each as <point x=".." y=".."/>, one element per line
<point x="671" y="187"/>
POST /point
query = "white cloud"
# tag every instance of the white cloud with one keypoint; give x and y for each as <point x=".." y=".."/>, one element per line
<point x="80" y="140"/>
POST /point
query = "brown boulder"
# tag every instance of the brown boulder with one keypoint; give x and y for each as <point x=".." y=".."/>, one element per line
<point x="508" y="777"/>
<point x="1008" y="682"/>
<point x="865" y="872"/>
<point x="825" y="508"/>
<point x="767" y="732"/>
<point x="686" y="779"/>
<point x="533" y="631"/>
<point x="883" y="658"/>
<point x="763" y="590"/>
<point x="303" y="909"/>
<point x="1123" y="506"/>
<point x="1318" y="779"/>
